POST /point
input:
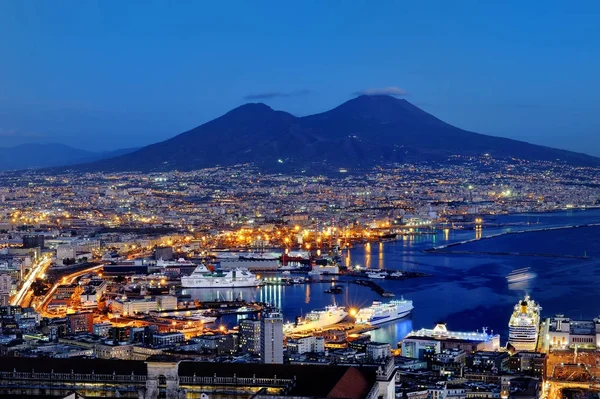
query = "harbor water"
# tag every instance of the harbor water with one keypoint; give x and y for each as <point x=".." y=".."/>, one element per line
<point x="466" y="290"/>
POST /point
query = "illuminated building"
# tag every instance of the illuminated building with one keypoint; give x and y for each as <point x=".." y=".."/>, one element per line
<point x="250" y="336"/>
<point x="271" y="338"/>
<point x="80" y="322"/>
<point x="563" y="333"/>
<point x="417" y="343"/>
<point x="306" y="344"/>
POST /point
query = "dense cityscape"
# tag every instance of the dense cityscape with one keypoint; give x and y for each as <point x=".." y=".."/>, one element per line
<point x="103" y="267"/>
<point x="299" y="199"/>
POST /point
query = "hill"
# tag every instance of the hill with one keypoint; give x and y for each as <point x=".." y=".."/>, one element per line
<point x="365" y="131"/>
<point x="35" y="156"/>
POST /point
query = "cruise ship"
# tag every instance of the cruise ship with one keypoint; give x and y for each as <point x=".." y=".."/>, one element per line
<point x="524" y="325"/>
<point x="201" y="277"/>
<point x="381" y="312"/>
<point x="317" y="319"/>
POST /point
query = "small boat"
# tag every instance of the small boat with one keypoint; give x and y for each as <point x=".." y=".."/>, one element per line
<point x="336" y="289"/>
<point x="314" y="273"/>
<point x="377" y="275"/>
<point x="396" y="274"/>
<point x="519" y="275"/>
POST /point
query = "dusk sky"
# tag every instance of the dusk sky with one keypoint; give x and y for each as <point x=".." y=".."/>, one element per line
<point x="103" y="75"/>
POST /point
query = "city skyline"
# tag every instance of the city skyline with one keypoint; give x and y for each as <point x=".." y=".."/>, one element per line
<point x="109" y="76"/>
<point x="345" y="200"/>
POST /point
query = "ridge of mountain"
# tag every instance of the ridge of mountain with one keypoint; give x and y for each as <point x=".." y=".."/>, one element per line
<point x="362" y="132"/>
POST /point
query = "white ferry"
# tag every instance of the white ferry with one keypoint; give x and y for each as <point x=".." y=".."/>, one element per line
<point x="381" y="312"/>
<point x="201" y="277"/>
<point x="524" y="325"/>
<point x="317" y="319"/>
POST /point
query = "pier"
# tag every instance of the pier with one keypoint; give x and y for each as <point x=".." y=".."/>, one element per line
<point x="450" y="252"/>
<point x="445" y="249"/>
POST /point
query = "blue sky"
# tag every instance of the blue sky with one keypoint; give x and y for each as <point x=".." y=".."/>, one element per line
<point x="102" y="75"/>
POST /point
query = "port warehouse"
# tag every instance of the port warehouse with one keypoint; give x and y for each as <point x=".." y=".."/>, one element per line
<point x="168" y="377"/>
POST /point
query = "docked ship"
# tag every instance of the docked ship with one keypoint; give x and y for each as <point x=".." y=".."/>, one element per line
<point x="201" y="277"/>
<point x="260" y="256"/>
<point x="524" y="325"/>
<point x="382" y="312"/>
<point x="317" y="319"/>
<point x="181" y="262"/>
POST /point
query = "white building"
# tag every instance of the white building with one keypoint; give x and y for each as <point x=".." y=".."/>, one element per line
<point x="127" y="307"/>
<point x="378" y="350"/>
<point x="306" y="344"/>
<point x="271" y="338"/>
<point x="447" y="391"/>
<point x="65" y="252"/>
<point x="166" y="302"/>
<point x="565" y="333"/>
<point x="439" y="338"/>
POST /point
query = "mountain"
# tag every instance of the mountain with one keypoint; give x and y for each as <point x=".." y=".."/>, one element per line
<point x="33" y="156"/>
<point x="365" y="131"/>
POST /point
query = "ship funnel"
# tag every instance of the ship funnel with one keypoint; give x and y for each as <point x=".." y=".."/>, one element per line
<point x="523" y="306"/>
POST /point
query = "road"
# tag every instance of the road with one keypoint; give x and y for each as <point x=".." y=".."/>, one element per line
<point x="37" y="270"/>
<point x="68" y="279"/>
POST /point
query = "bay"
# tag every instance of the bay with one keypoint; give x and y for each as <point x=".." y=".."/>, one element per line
<point x="467" y="291"/>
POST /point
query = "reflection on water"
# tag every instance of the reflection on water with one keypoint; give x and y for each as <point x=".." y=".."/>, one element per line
<point x="465" y="291"/>
<point x="520" y="286"/>
<point x="221" y="294"/>
<point x="307" y="297"/>
<point x="392" y="332"/>
<point x="270" y="294"/>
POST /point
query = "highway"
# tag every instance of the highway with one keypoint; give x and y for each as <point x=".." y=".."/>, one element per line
<point x="68" y="279"/>
<point x="37" y="270"/>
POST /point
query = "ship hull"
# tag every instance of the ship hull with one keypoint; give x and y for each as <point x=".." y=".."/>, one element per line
<point x="524" y="325"/>
<point x="385" y="319"/>
<point x="193" y="283"/>
<point x="325" y="322"/>
<point x="384" y="313"/>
